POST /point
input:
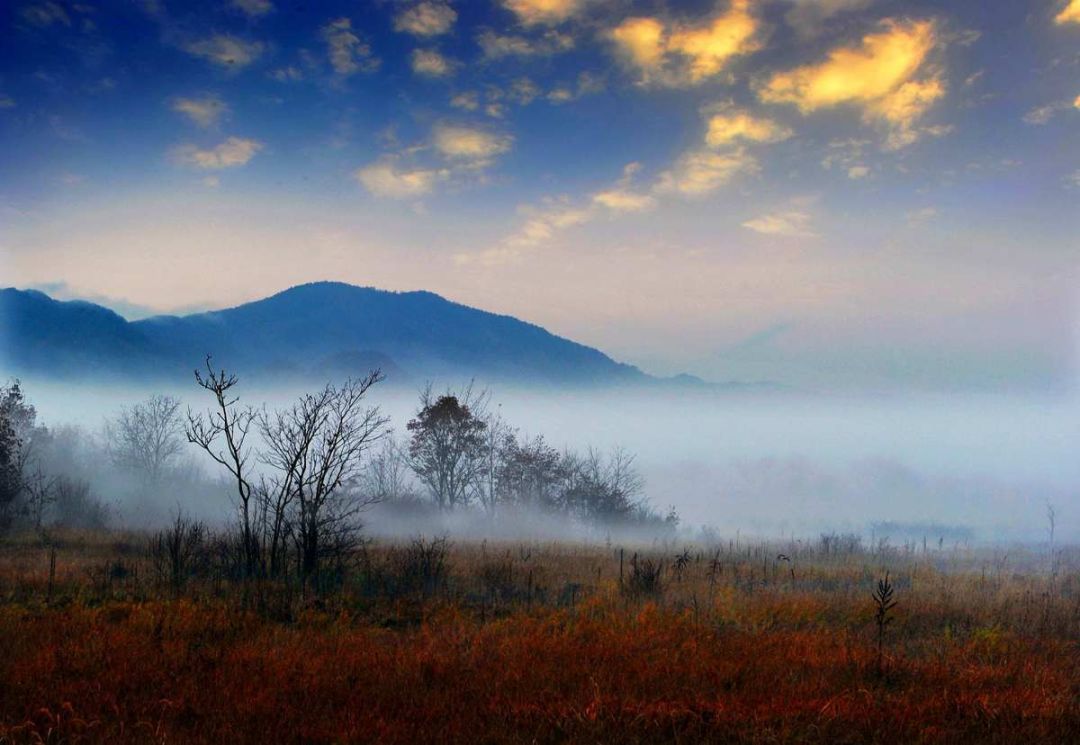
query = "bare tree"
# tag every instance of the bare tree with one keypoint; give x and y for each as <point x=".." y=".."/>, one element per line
<point x="387" y="475"/>
<point x="447" y="445"/>
<point x="316" y="448"/>
<point x="603" y="488"/>
<point x="498" y="437"/>
<point x="222" y="432"/>
<point x="146" y="438"/>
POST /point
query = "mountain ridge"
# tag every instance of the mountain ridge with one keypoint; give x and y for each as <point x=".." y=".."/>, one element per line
<point x="415" y="334"/>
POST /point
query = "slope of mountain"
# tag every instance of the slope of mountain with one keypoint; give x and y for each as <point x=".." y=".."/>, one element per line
<point x="310" y="331"/>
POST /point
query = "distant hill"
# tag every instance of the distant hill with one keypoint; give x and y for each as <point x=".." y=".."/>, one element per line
<point x="313" y="331"/>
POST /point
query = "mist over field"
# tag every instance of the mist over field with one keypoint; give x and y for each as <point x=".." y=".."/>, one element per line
<point x="969" y="468"/>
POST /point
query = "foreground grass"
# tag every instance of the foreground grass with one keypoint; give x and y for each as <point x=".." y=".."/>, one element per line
<point x="714" y="656"/>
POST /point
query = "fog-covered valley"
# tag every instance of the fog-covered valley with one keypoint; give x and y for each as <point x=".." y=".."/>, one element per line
<point x="967" y="468"/>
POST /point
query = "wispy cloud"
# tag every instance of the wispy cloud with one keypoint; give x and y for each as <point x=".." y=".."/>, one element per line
<point x="473" y="145"/>
<point x="253" y="8"/>
<point x="1043" y="114"/>
<point x="809" y="17"/>
<point x="790" y="224"/>
<point x="549" y="12"/>
<point x="699" y="172"/>
<point x="348" y="54"/>
<point x="226" y="50"/>
<point x="45" y="14"/>
<point x="432" y="18"/>
<point x="234" y="151"/>
<point x="430" y="63"/>
<point x="496" y="46"/>
<point x="206" y="111"/>
<point x="385" y="179"/>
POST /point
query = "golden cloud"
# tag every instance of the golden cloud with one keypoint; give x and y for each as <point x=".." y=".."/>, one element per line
<point x="678" y="54"/>
<point x="876" y="75"/>
<point x="1069" y="14"/>
<point x="698" y="172"/>
<point x="727" y="124"/>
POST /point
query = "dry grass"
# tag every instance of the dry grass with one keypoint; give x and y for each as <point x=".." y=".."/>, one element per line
<point x="543" y="643"/>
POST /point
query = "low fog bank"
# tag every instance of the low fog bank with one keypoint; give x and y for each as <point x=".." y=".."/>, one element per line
<point x="969" y="469"/>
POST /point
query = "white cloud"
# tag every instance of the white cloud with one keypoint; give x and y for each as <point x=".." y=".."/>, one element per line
<point x="385" y="179"/>
<point x="1043" y="114"/>
<point x="205" y="111"/>
<point x="587" y="84"/>
<point x="235" y="151"/>
<point x="431" y="18"/>
<point x="7" y="102"/>
<point x="496" y="46"/>
<point x="858" y="172"/>
<point x="467" y="100"/>
<point x="921" y="216"/>
<point x="622" y="197"/>
<point x="430" y="63"/>
<point x="624" y="200"/>
<point x="253" y="8"/>
<point x="45" y="14"/>
<point x="287" y="74"/>
<point x="226" y="50"/>
<point x="348" y="54"/>
<point x="808" y="17"/>
<point x="791" y="224"/>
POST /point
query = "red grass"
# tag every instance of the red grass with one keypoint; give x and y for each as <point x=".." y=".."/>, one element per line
<point x="201" y="672"/>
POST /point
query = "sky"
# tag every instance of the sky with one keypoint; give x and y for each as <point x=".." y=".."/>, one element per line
<point x="835" y="194"/>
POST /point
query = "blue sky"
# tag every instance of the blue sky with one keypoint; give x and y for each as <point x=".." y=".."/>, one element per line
<point x="837" y="193"/>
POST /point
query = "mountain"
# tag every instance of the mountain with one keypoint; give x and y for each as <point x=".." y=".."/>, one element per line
<point x="313" y="331"/>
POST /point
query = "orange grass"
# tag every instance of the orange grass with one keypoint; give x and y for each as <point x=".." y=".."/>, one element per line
<point x="769" y="666"/>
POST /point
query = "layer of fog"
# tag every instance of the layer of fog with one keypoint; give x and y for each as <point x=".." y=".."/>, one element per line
<point x="769" y="465"/>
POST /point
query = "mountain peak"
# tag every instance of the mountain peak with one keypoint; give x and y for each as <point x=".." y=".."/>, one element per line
<point x="304" y="331"/>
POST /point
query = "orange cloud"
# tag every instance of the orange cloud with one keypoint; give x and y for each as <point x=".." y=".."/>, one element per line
<point x="877" y="75"/>
<point x="1069" y="14"/>
<point x="677" y="54"/>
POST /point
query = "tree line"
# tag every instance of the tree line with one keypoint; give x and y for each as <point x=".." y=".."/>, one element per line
<point x="300" y="476"/>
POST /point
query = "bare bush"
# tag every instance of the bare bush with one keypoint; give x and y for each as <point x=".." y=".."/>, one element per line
<point x="174" y="550"/>
<point x="421" y="565"/>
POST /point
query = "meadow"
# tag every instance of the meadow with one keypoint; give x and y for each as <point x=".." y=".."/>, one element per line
<point x="105" y="637"/>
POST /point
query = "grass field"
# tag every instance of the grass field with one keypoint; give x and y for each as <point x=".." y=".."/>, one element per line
<point x="488" y="642"/>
